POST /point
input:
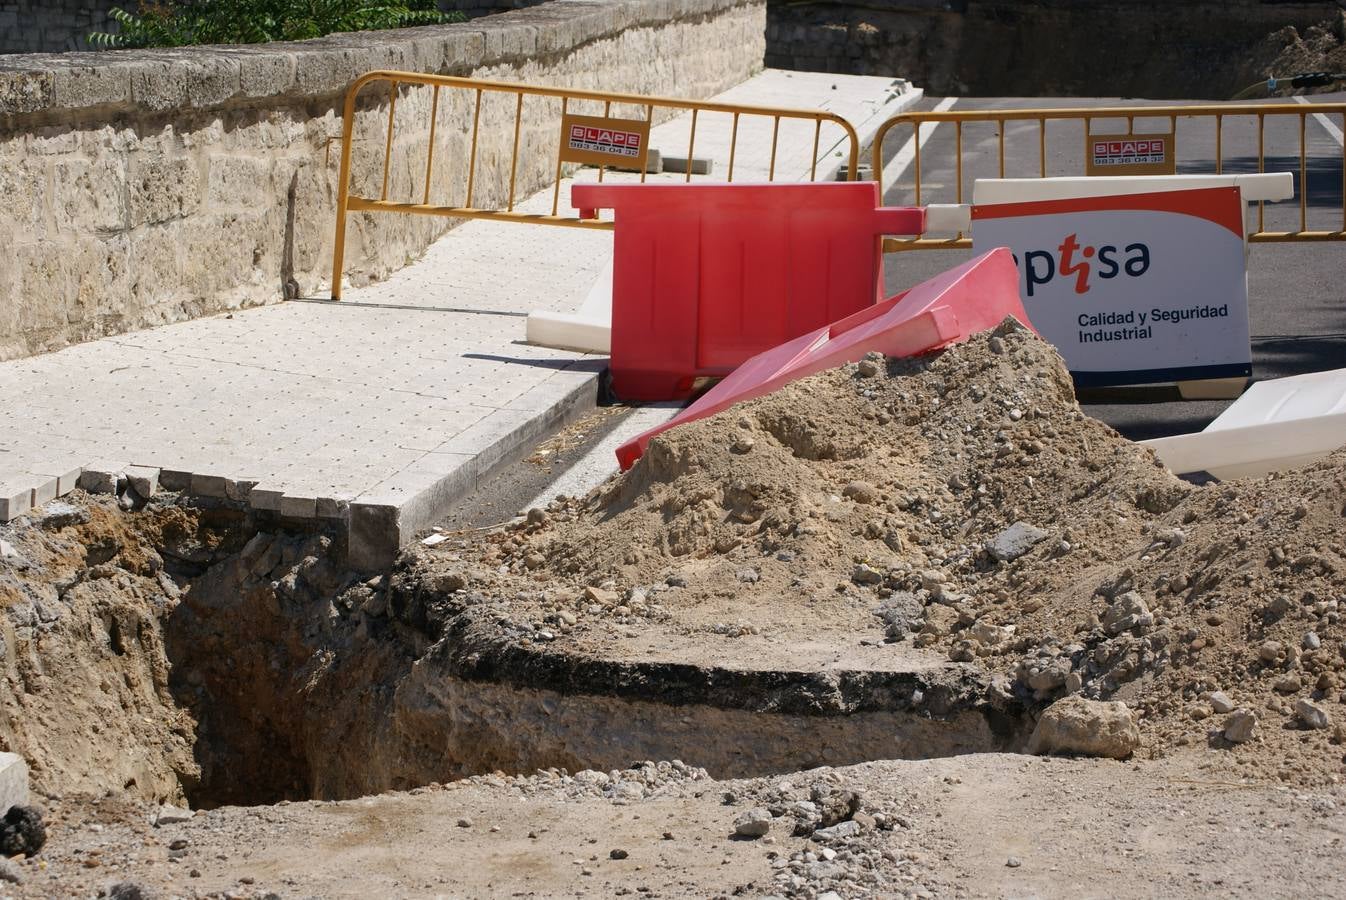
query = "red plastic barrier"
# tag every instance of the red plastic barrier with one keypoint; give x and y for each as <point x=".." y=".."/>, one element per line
<point x="944" y="310"/>
<point x="706" y="276"/>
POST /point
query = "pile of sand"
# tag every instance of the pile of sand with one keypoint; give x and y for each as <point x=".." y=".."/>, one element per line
<point x="962" y="503"/>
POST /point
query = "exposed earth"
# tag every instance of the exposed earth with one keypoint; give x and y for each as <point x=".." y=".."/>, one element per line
<point x="910" y="573"/>
<point x="1319" y="48"/>
<point x="989" y="825"/>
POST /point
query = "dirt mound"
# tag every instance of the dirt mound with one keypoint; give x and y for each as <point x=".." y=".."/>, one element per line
<point x="1321" y="48"/>
<point x="960" y="503"/>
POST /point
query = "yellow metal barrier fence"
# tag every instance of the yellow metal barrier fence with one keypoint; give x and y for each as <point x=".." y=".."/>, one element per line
<point x="467" y="98"/>
<point x="1240" y="127"/>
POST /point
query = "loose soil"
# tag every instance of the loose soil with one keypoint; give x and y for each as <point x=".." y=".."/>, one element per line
<point x="952" y="528"/>
<point x="1182" y="827"/>
<point x="851" y="516"/>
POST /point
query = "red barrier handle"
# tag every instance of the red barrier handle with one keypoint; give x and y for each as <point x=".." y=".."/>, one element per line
<point x="588" y="198"/>
<point x="900" y="220"/>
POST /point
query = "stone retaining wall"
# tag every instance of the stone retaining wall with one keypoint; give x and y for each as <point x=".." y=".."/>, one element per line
<point x="1038" y="48"/>
<point x="144" y="187"/>
<point x="30" y="26"/>
<point x="474" y="8"/>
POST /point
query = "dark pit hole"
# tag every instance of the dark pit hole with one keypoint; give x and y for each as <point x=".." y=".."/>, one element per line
<point x="311" y="682"/>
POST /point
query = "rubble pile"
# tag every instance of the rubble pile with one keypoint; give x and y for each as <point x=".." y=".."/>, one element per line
<point x="960" y="504"/>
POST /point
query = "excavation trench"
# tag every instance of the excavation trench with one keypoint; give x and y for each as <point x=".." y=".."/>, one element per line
<point x="192" y="651"/>
<point x="309" y="682"/>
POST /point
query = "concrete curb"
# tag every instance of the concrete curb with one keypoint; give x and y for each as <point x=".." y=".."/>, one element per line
<point x="379" y="526"/>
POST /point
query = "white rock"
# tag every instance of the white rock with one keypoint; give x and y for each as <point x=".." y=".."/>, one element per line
<point x="1126" y="612"/>
<point x="1220" y="702"/>
<point x="1014" y="541"/>
<point x="753" y="823"/>
<point x="1241" y="726"/>
<point x="1089" y="727"/>
<point x="849" y="828"/>
<point x="169" y="815"/>
<point x="1311" y="714"/>
<point x="990" y="635"/>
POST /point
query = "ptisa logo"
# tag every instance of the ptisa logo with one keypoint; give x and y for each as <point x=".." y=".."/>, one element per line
<point x="1069" y="260"/>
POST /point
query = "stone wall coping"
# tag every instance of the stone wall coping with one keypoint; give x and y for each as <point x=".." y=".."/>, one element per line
<point x="53" y="86"/>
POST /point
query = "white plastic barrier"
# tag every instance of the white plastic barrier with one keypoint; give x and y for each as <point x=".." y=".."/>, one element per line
<point x="948" y="219"/>
<point x="588" y="329"/>
<point x="1276" y="425"/>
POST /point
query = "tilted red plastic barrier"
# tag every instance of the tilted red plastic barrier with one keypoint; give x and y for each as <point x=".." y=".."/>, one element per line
<point x="706" y="276"/>
<point x="944" y="310"/>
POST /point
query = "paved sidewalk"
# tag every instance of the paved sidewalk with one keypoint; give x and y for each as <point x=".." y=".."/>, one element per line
<point x="378" y="411"/>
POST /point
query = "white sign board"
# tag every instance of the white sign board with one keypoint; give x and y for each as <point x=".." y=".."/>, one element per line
<point x="1132" y="289"/>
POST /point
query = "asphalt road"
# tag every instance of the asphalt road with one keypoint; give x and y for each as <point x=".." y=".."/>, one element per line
<point x="1297" y="292"/>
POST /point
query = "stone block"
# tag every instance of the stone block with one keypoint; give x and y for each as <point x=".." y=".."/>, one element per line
<point x="266" y="498"/>
<point x="240" y="489"/>
<point x="13" y="781"/>
<point x="25" y="92"/>
<point x="156" y="86"/>
<point x="212" y="81"/>
<point x="175" y="479"/>
<point x="265" y="72"/>
<point x="373" y="538"/>
<point x="44" y="490"/>
<point x="101" y="477"/>
<point x="332" y="508"/>
<point x="91" y="195"/>
<point x="24" y="195"/>
<point x="79" y="87"/>
<point x="144" y="480"/>
<point x="298" y="507"/>
<point x="209" y="486"/>
<point x="68" y="481"/>
<point x="510" y="42"/>
<point x="160" y="189"/>
<point x="678" y="165"/>
<point x="16" y="498"/>
<point x="233" y="181"/>
<point x="463" y="49"/>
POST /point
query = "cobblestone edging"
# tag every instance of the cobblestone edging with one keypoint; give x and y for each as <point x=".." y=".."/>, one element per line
<point x="144" y="187"/>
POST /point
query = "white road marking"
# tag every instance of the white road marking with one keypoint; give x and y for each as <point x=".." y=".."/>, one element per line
<point x="1324" y="121"/>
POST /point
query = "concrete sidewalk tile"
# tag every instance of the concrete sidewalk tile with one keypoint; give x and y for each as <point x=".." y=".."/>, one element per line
<point x="44" y="490"/>
<point x="266" y="496"/>
<point x="101" y="476"/>
<point x="16" y="498"/>
<point x="332" y="508"/>
<point x="144" y="480"/>
<point x="67" y="482"/>
<point x="240" y="489"/>
<point x="292" y="507"/>
<point x="174" y="479"/>
<point x="209" y="486"/>
<point x="293" y="405"/>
